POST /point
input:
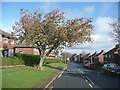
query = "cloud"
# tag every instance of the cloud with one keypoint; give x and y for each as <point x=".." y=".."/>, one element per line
<point x="102" y="40"/>
<point x="102" y="25"/>
<point x="89" y="9"/>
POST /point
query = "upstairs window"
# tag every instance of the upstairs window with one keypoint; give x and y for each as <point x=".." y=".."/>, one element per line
<point x="5" y="40"/>
<point x="105" y="56"/>
<point x="109" y="56"/>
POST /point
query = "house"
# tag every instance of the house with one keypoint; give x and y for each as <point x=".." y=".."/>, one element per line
<point x="7" y="42"/>
<point x="9" y="45"/>
<point x="87" y="56"/>
<point x="31" y="50"/>
<point x="73" y="57"/>
<point x="113" y="55"/>
<point x="80" y="58"/>
<point x="94" y="57"/>
<point x="100" y="56"/>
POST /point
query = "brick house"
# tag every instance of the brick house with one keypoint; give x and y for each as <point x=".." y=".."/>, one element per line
<point x="73" y="57"/>
<point x="100" y="56"/>
<point x="94" y="57"/>
<point x="6" y="41"/>
<point x="113" y="55"/>
<point x="87" y="56"/>
<point x="31" y="50"/>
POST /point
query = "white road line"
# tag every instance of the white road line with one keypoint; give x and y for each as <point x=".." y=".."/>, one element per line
<point x="82" y="72"/>
<point x="60" y="74"/>
<point x="55" y="77"/>
<point x="89" y="80"/>
<point x="86" y="80"/>
<point x="90" y="85"/>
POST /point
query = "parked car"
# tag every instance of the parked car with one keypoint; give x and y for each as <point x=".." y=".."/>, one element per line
<point x="111" y="68"/>
<point x="85" y="63"/>
<point x="90" y="65"/>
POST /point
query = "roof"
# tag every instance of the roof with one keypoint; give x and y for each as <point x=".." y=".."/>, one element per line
<point x="5" y="34"/>
<point x="100" y="52"/>
<point x="112" y="51"/>
<point x="94" y="54"/>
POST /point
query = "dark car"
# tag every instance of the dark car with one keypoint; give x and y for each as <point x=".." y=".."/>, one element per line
<point x="89" y="65"/>
<point x="85" y="63"/>
<point x="111" y="68"/>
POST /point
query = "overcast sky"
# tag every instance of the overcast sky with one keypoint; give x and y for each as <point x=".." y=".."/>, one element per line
<point x="101" y="12"/>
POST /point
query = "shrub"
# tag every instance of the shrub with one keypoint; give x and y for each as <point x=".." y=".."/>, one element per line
<point x="7" y="61"/>
<point x="48" y="61"/>
<point x="29" y="59"/>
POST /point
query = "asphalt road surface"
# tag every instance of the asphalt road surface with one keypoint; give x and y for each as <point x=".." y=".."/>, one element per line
<point x="76" y="76"/>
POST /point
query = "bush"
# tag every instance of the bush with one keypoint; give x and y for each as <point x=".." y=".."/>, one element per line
<point x="7" y="61"/>
<point x="29" y="59"/>
<point x="48" y="61"/>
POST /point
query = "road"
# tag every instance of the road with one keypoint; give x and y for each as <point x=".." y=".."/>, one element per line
<point x="76" y="76"/>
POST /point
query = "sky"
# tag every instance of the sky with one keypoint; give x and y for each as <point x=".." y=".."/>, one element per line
<point x="101" y="12"/>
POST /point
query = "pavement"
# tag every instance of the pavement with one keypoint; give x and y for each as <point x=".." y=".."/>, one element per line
<point x="76" y="76"/>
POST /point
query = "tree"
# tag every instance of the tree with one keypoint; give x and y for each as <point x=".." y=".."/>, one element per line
<point x="115" y="34"/>
<point x="51" y="31"/>
<point x="66" y="55"/>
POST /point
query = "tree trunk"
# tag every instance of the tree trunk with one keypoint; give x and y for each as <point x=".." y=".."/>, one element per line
<point x="41" y="59"/>
<point x="41" y="62"/>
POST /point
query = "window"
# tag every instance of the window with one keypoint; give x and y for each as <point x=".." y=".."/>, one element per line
<point x="112" y="56"/>
<point x="109" y="56"/>
<point x="5" y="40"/>
<point x="106" y="56"/>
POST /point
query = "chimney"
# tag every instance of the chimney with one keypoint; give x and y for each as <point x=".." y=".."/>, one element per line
<point x="117" y="46"/>
<point x="102" y="50"/>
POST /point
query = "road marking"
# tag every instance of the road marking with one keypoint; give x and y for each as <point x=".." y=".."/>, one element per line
<point x="55" y="77"/>
<point x="89" y="79"/>
<point x="90" y="85"/>
<point x="86" y="80"/>
<point x="82" y="72"/>
<point x="60" y="74"/>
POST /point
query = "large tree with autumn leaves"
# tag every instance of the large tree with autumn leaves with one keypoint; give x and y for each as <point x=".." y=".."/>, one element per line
<point x="51" y="31"/>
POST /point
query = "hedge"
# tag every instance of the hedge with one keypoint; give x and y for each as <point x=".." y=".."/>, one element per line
<point x="27" y="59"/>
<point x="7" y="61"/>
<point x="31" y="59"/>
<point x="48" y="61"/>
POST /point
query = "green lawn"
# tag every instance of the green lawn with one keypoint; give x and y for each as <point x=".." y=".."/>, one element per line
<point x="27" y="77"/>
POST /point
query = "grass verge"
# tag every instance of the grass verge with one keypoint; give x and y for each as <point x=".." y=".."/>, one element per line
<point x="28" y="77"/>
